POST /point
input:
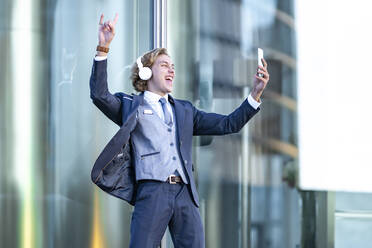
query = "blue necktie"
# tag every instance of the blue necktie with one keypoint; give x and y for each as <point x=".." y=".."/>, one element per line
<point x="167" y="116"/>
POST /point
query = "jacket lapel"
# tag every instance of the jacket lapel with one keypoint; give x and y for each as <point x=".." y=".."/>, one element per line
<point x="137" y="100"/>
<point x="180" y="115"/>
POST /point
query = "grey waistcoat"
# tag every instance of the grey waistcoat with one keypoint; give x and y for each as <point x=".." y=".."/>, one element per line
<point x="154" y="146"/>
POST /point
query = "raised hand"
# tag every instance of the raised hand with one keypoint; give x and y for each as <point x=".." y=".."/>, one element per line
<point x="259" y="83"/>
<point x="106" y="31"/>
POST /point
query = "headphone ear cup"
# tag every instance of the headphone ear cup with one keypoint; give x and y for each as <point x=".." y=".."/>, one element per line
<point x="145" y="73"/>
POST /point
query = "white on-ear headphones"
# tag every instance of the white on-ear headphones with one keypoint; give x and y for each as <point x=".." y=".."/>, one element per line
<point x="144" y="73"/>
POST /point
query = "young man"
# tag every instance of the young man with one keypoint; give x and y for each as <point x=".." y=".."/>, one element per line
<point x="148" y="162"/>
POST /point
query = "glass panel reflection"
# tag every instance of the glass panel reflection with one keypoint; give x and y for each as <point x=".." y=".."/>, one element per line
<point x="240" y="177"/>
<point x="79" y="214"/>
<point x="84" y="216"/>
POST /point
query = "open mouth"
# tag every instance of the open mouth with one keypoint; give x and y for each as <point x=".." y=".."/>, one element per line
<point x="169" y="79"/>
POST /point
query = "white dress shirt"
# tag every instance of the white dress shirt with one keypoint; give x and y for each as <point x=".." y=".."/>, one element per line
<point x="250" y="99"/>
<point x="153" y="99"/>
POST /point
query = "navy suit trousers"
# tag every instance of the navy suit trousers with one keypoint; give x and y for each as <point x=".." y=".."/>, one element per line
<point x="160" y="204"/>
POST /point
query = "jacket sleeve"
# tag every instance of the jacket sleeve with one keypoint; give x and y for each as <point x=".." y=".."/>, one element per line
<point x="108" y="103"/>
<point x="217" y="124"/>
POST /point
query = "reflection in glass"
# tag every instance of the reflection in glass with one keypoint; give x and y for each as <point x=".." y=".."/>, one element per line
<point x="81" y="215"/>
<point x="244" y="201"/>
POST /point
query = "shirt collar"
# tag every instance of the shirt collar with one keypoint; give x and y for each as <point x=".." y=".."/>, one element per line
<point x="153" y="97"/>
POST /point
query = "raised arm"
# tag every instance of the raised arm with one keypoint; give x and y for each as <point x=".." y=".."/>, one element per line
<point x="108" y="103"/>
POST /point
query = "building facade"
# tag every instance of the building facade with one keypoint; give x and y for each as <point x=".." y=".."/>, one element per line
<point x="51" y="133"/>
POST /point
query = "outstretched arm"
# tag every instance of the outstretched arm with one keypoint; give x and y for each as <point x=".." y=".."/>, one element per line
<point x="216" y="124"/>
<point x="108" y="103"/>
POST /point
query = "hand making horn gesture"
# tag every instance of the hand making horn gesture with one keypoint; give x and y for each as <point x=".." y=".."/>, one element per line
<point x="106" y="31"/>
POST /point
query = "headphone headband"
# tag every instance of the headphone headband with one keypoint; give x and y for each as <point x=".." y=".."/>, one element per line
<point x="139" y="63"/>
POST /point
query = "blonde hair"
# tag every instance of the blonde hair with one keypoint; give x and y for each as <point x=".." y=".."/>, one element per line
<point x="147" y="60"/>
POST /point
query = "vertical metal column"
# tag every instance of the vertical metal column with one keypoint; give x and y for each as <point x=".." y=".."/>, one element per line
<point x="325" y="219"/>
<point x="245" y="185"/>
<point x="160" y="23"/>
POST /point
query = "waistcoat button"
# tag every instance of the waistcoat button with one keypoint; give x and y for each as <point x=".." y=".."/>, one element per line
<point x="174" y="158"/>
<point x="169" y="130"/>
<point x="171" y="144"/>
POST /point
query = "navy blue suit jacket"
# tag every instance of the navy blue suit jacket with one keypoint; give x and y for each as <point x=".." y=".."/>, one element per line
<point x="113" y="170"/>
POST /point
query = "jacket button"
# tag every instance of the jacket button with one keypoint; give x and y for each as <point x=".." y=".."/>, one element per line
<point x="185" y="161"/>
<point x="181" y="142"/>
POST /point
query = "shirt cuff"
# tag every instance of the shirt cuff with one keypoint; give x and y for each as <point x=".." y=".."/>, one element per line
<point x="253" y="102"/>
<point x="100" y="58"/>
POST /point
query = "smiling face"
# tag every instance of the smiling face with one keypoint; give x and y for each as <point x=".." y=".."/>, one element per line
<point x="163" y="74"/>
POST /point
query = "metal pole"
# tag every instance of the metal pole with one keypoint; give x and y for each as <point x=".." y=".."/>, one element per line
<point x="160" y="23"/>
<point x="245" y="186"/>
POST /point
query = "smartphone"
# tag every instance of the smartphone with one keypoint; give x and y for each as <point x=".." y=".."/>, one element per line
<point x="259" y="59"/>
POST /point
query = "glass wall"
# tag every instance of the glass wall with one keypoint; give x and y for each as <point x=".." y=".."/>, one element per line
<point x="53" y="133"/>
<point x="353" y="219"/>
<point x="80" y="130"/>
<point x="244" y="200"/>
